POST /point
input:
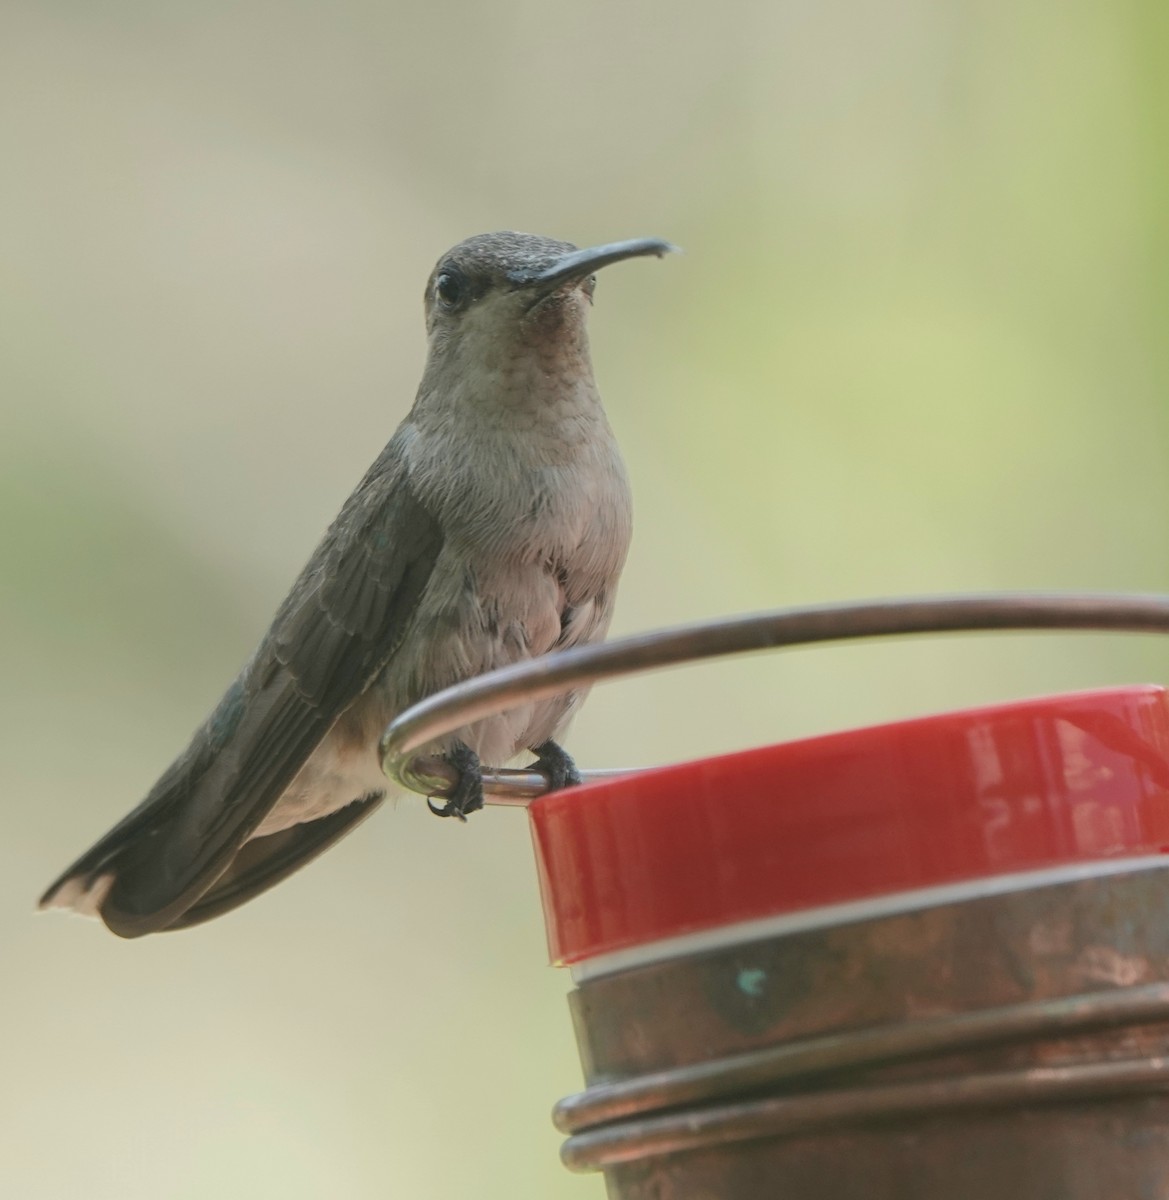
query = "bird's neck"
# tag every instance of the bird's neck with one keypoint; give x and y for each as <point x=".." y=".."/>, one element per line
<point x="543" y="391"/>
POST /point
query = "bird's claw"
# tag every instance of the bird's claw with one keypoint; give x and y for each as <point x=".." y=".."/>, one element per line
<point x="467" y="794"/>
<point x="556" y="765"/>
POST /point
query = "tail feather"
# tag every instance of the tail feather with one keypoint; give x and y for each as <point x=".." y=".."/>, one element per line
<point x="80" y="894"/>
<point x="84" y="885"/>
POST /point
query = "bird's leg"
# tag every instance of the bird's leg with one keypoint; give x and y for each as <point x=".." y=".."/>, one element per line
<point x="467" y="794"/>
<point x="556" y="764"/>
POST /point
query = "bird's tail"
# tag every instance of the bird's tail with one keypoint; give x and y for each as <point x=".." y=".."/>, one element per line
<point x="83" y="887"/>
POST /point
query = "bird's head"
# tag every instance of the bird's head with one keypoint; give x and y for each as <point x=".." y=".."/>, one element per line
<point x="499" y="298"/>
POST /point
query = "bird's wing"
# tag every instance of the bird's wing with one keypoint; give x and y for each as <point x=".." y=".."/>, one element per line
<point x="263" y="862"/>
<point x="341" y="623"/>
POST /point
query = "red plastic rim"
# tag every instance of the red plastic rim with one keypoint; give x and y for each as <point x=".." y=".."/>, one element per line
<point x="850" y="816"/>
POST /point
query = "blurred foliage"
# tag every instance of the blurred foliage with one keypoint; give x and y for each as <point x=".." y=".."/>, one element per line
<point x="917" y="344"/>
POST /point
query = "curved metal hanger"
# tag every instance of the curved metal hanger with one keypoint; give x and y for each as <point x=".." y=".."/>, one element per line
<point x="539" y="678"/>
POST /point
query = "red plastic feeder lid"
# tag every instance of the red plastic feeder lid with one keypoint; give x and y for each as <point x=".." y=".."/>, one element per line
<point x="851" y="816"/>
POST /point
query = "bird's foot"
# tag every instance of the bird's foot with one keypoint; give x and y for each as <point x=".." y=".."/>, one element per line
<point x="467" y="794"/>
<point x="555" y="763"/>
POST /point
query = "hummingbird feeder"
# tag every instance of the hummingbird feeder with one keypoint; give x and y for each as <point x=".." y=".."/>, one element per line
<point x="924" y="959"/>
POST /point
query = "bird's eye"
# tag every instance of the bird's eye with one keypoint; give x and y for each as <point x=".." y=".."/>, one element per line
<point x="450" y="289"/>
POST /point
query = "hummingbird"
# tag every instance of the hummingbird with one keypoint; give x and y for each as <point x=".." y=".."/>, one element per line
<point x="491" y="529"/>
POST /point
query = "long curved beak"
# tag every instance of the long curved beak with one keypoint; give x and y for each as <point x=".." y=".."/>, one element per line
<point x="581" y="263"/>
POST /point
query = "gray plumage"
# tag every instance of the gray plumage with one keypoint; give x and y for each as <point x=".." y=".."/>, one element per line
<point x="492" y="528"/>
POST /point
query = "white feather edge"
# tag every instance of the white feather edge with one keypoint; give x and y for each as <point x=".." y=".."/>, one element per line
<point x="75" y="896"/>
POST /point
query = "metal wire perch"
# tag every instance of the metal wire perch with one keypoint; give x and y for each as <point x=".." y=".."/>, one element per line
<point x="540" y="678"/>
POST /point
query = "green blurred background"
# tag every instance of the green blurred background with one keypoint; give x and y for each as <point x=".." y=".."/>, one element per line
<point x="917" y="343"/>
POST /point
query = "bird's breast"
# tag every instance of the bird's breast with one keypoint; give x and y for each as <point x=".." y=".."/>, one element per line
<point x="533" y="544"/>
<point x="524" y="492"/>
